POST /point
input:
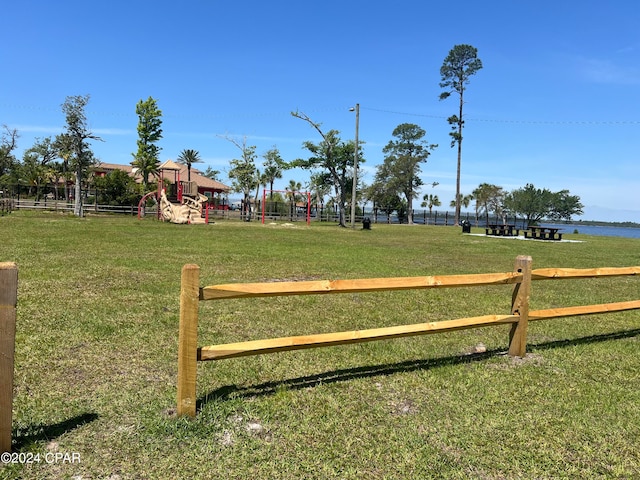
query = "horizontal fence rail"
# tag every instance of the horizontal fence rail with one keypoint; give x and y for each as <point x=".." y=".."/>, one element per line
<point x="521" y="277"/>
<point x="64" y="206"/>
<point x="245" y="290"/>
<point x="258" y="347"/>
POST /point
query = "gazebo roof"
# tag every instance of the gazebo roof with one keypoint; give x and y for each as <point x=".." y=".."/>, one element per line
<point x="170" y="165"/>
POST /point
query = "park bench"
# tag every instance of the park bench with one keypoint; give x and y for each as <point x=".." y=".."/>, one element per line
<point x="502" y="230"/>
<point x="543" y="233"/>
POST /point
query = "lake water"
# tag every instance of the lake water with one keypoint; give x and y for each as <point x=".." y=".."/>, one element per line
<point x="629" y="232"/>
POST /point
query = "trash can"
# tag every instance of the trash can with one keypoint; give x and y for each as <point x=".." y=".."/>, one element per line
<point x="366" y="223"/>
<point x="466" y="226"/>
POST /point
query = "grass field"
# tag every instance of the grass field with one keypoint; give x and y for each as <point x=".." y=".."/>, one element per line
<point x="96" y="357"/>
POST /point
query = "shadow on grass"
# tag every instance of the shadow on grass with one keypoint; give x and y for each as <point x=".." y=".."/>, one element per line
<point x="605" y="337"/>
<point x="342" y="375"/>
<point x="25" y="437"/>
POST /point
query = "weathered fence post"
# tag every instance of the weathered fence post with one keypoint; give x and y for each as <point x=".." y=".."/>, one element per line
<point x="8" y="302"/>
<point x="520" y="306"/>
<point x="188" y="340"/>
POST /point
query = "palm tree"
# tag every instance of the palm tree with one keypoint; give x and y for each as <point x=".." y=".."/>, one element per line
<point x="212" y="174"/>
<point x="320" y="188"/>
<point x="261" y="179"/>
<point x="188" y="157"/>
<point x="465" y="201"/>
<point x="488" y="197"/>
<point x="430" y="201"/>
<point x="145" y="166"/>
<point x="293" y="190"/>
<point x="273" y="167"/>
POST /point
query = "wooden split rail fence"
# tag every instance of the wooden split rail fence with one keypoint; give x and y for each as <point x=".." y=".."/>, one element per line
<point x="521" y="277"/>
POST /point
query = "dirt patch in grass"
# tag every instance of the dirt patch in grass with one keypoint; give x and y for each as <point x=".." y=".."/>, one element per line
<point x="508" y="362"/>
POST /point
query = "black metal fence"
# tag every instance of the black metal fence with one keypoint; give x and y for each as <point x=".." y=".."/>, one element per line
<point x="62" y="206"/>
<point x="274" y="211"/>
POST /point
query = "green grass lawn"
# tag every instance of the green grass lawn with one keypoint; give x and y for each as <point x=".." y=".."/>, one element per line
<point x="96" y="356"/>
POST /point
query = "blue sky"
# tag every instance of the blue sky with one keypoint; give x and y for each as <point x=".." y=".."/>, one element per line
<point x="557" y="103"/>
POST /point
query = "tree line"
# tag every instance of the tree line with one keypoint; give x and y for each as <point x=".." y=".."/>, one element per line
<point x="395" y="186"/>
<point x="67" y="159"/>
<point x="530" y="203"/>
<point x="331" y="162"/>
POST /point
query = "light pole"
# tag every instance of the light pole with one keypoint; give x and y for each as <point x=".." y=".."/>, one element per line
<point x="355" y="168"/>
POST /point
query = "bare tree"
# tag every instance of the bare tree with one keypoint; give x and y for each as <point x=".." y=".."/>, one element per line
<point x="332" y="155"/>
<point x="76" y="136"/>
<point x="8" y="143"/>
<point x="244" y="173"/>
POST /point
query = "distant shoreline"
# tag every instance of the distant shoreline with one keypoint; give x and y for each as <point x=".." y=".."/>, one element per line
<point x="599" y="223"/>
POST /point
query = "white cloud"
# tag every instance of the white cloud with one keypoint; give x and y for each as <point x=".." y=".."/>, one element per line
<point x="38" y="129"/>
<point x="54" y="130"/>
<point x="113" y="131"/>
<point x="606" y="71"/>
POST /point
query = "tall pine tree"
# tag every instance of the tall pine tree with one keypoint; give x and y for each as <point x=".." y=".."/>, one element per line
<point x="461" y="63"/>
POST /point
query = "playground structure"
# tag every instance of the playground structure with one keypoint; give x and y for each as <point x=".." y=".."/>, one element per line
<point x="183" y="203"/>
<point x="189" y="211"/>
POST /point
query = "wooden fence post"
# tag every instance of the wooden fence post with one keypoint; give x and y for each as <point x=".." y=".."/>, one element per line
<point x="188" y="340"/>
<point x="520" y="306"/>
<point x="8" y="302"/>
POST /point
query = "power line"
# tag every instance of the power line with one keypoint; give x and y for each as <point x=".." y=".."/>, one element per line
<point x="402" y="113"/>
<point x="201" y="115"/>
<point x="526" y="122"/>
